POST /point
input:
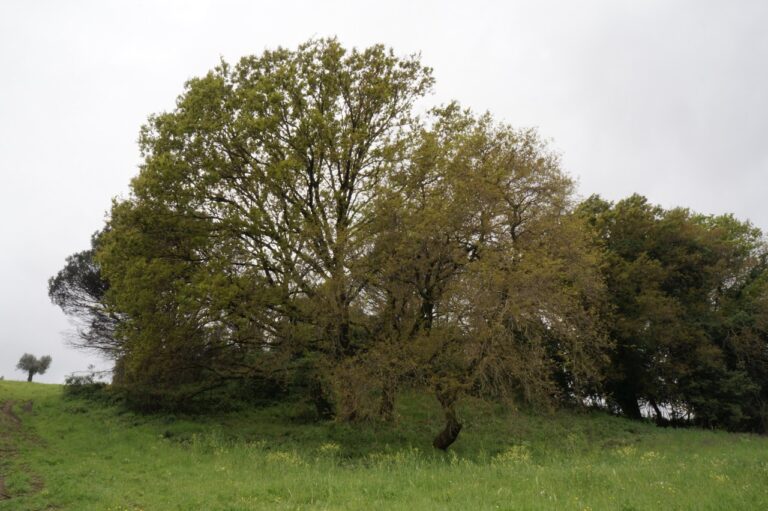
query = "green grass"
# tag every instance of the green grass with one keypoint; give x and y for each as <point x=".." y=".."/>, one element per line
<point x="74" y="455"/>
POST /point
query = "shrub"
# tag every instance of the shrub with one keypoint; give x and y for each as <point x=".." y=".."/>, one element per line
<point x="85" y="386"/>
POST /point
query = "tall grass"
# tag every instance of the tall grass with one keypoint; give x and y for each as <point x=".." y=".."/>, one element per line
<point x="103" y="458"/>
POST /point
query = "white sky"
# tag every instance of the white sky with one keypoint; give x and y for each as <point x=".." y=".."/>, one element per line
<point x="665" y="98"/>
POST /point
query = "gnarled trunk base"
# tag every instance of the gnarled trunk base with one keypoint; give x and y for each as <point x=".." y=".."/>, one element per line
<point x="449" y="434"/>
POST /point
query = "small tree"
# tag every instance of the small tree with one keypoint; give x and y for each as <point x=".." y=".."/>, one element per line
<point x="33" y="365"/>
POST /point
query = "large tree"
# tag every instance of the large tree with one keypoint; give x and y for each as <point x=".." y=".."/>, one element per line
<point x="294" y="221"/>
<point x="486" y="282"/>
<point x="245" y="232"/>
<point x="293" y="217"/>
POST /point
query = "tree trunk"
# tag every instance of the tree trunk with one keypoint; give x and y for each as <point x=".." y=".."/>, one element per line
<point x="323" y="405"/>
<point x="447" y="399"/>
<point x="627" y="400"/>
<point x="660" y="420"/>
<point x="343" y="340"/>
<point x="341" y="330"/>
<point x="387" y="405"/>
<point x="427" y="313"/>
<point x="31" y="373"/>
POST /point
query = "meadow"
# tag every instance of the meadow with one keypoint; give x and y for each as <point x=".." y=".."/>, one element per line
<point x="62" y="453"/>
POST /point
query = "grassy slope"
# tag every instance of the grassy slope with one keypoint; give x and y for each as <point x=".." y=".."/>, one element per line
<point x="99" y="458"/>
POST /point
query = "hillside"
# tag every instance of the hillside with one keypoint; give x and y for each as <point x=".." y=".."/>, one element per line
<point x="69" y="454"/>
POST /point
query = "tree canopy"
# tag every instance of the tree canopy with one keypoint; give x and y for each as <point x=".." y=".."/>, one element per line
<point x="79" y="289"/>
<point x="687" y="294"/>
<point x="299" y="225"/>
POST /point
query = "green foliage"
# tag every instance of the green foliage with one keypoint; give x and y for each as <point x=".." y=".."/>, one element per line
<point x="485" y="282"/>
<point x="239" y="251"/>
<point x="293" y="215"/>
<point x="677" y="285"/>
<point x="80" y="289"/>
<point x="296" y="229"/>
<point x="84" y="387"/>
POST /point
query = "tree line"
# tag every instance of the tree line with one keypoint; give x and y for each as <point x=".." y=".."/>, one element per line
<point x="296" y="229"/>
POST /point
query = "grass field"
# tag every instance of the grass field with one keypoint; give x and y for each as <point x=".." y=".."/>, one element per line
<point x="69" y="454"/>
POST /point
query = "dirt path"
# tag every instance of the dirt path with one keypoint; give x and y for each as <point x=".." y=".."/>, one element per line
<point x="11" y="435"/>
<point x="7" y="411"/>
<point x="9" y="424"/>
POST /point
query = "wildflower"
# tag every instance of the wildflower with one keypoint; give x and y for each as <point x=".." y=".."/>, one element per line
<point x="513" y="455"/>
<point x="329" y="449"/>
<point x="285" y="458"/>
<point x="649" y="456"/>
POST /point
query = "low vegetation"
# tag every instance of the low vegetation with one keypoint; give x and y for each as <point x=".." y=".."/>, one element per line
<point x="74" y="454"/>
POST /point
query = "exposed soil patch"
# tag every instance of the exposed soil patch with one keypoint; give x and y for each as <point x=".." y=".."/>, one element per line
<point x="7" y="411"/>
<point x="11" y="435"/>
<point x="8" y="423"/>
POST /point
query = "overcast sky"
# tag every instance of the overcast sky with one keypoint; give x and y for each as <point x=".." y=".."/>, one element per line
<point x="667" y="99"/>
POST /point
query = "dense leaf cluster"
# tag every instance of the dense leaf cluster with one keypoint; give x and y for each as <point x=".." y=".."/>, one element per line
<point x="688" y="318"/>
